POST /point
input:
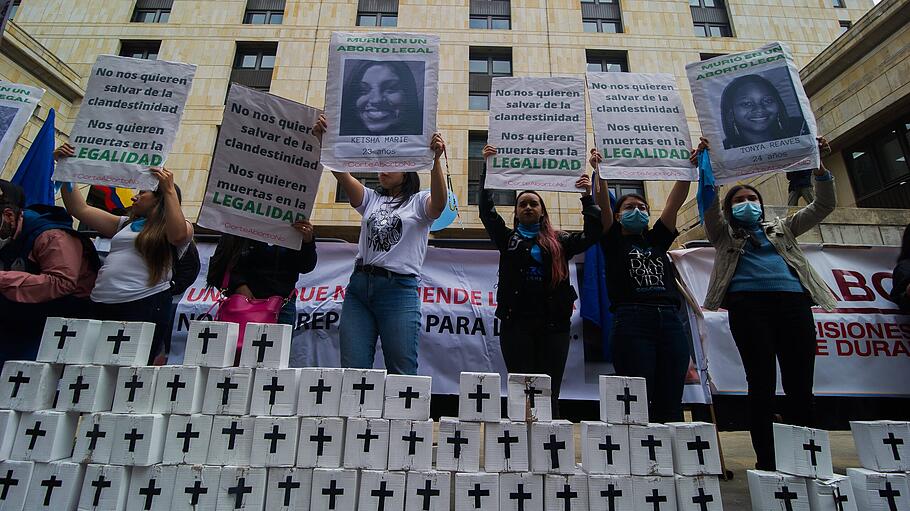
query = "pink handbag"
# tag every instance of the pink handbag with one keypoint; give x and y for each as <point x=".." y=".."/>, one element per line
<point x="239" y="309"/>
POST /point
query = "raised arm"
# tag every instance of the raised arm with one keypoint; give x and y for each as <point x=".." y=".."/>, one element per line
<point x="306" y="260"/>
<point x="825" y="197"/>
<point x="674" y="201"/>
<point x="178" y="230"/>
<point x="496" y="227"/>
<point x="602" y="193"/>
<point x="351" y="186"/>
<point x="576" y="243"/>
<point x="439" y="192"/>
<point x="96" y="219"/>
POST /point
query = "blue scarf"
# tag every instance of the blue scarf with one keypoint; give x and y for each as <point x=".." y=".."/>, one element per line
<point x="137" y="225"/>
<point x="530" y="232"/>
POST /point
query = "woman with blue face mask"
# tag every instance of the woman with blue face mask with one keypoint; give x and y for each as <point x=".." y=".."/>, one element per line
<point x="648" y="339"/>
<point x="768" y="287"/>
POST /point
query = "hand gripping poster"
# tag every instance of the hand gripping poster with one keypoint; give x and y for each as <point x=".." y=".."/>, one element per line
<point x="380" y="102"/>
<point x="753" y="109"/>
<point x="127" y="122"/>
<point x="538" y="128"/>
<point x="640" y="127"/>
<point x="266" y="169"/>
<point x="17" y="104"/>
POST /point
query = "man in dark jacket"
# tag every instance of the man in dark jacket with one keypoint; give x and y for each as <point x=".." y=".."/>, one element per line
<point x="47" y="269"/>
<point x="800" y="187"/>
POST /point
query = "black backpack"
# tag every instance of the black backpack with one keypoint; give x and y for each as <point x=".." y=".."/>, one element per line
<point x="185" y="269"/>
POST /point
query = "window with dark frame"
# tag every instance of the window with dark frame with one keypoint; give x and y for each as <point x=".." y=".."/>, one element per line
<point x="840" y="4"/>
<point x="367" y="179"/>
<point x="708" y="56"/>
<point x="13" y="8"/>
<point x="152" y="11"/>
<point x="606" y="61"/>
<point x="253" y="65"/>
<point x="620" y="187"/>
<point x="486" y="64"/>
<point x="140" y="49"/>
<point x="490" y="15"/>
<point x="476" y="163"/>
<point x="264" y="12"/>
<point x="878" y="168"/>
<point x="377" y="13"/>
<point x="845" y="26"/>
<point x="601" y="16"/>
<point x="710" y="18"/>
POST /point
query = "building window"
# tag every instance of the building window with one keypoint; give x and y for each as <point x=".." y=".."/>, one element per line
<point x="367" y="179"/>
<point x="152" y="11"/>
<point x="845" y="26"/>
<point x="620" y="187"/>
<point x="840" y="4"/>
<point x="709" y="56"/>
<point x="377" y="13"/>
<point x="601" y="16"/>
<point x="878" y="168"/>
<point x="601" y="61"/>
<point x="476" y="163"/>
<point x="710" y="18"/>
<point x="486" y="64"/>
<point x="264" y="12"/>
<point x="491" y="14"/>
<point x="253" y="65"/>
<point x="140" y="49"/>
<point x="13" y="8"/>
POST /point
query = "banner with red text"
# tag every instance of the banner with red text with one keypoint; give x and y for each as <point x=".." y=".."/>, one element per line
<point x="863" y="345"/>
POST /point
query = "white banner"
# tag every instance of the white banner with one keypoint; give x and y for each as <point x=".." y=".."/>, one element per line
<point x="17" y="104"/>
<point x="127" y="122"/>
<point x="380" y="102"/>
<point x="640" y="127"/>
<point x="538" y="128"/>
<point x="266" y="169"/>
<point x="753" y="109"/>
<point x="459" y="331"/>
<point x="863" y="346"/>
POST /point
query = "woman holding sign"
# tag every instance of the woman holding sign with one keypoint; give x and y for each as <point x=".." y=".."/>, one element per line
<point x="768" y="287"/>
<point x="648" y="337"/>
<point x="134" y="283"/>
<point x="534" y="297"/>
<point x="381" y="299"/>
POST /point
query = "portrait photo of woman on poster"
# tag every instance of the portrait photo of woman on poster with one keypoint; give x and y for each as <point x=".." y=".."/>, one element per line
<point x="382" y="98"/>
<point x="754" y="110"/>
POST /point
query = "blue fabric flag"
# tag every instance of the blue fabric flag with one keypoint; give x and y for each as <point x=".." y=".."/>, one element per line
<point x="706" y="184"/>
<point x="595" y="302"/>
<point x="35" y="171"/>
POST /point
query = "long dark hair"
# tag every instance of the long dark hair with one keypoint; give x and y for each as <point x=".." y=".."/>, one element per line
<point x="152" y="243"/>
<point x="409" y="187"/>
<point x="732" y="136"/>
<point x="548" y="238"/>
<point x="411" y="119"/>
<point x="905" y="245"/>
<point x="227" y="255"/>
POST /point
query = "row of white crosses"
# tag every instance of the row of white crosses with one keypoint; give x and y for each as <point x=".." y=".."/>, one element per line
<point x="805" y="479"/>
<point x="205" y="435"/>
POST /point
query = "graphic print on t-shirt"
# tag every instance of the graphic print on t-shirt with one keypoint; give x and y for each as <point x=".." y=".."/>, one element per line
<point x="646" y="271"/>
<point x="385" y="229"/>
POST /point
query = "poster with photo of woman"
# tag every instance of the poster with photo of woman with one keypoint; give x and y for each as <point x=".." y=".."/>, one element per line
<point x="381" y="98"/>
<point x="754" y="110"/>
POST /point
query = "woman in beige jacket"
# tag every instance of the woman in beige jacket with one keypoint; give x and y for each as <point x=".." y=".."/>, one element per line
<point x="762" y="278"/>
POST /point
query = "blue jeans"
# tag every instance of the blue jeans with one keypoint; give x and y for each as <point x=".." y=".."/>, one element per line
<point x="383" y="307"/>
<point x="649" y="342"/>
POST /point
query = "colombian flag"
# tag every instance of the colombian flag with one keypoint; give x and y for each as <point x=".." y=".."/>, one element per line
<point x="110" y="199"/>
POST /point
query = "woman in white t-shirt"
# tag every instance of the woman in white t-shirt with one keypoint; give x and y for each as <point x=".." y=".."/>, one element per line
<point x="381" y="300"/>
<point x="134" y="283"/>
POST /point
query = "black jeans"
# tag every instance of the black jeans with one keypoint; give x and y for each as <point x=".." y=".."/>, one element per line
<point x="152" y="309"/>
<point x="649" y="341"/>
<point x="532" y="346"/>
<point x="23" y="324"/>
<point x="769" y="327"/>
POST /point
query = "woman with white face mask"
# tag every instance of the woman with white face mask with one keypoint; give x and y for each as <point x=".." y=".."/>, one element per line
<point x="768" y="287"/>
<point x="648" y="339"/>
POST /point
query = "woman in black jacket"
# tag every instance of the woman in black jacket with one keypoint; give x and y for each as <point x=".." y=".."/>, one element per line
<point x="534" y="297"/>
<point x="259" y="270"/>
<point x="900" y="293"/>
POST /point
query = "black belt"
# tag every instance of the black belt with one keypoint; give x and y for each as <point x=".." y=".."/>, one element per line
<point x="369" y="269"/>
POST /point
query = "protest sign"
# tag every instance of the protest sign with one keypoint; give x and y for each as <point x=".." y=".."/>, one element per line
<point x="640" y="127"/>
<point x="753" y="109"/>
<point x="266" y="169"/>
<point x="538" y="128"/>
<point x="17" y="103"/>
<point x="127" y="123"/>
<point x="380" y="102"/>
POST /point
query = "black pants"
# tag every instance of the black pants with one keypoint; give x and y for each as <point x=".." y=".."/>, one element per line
<point x="23" y="324"/>
<point x="152" y="309"/>
<point x="532" y="346"/>
<point x="769" y="327"/>
<point x="649" y="342"/>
